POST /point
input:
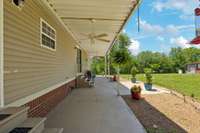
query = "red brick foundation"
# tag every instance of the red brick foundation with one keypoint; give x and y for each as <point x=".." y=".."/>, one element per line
<point x="41" y="106"/>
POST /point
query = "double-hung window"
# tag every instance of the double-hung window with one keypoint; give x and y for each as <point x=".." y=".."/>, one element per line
<point x="48" y="35"/>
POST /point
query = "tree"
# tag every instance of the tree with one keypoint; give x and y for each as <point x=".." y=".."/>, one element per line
<point x="120" y="58"/>
<point x="124" y="41"/>
<point x="120" y="54"/>
<point x="158" y="62"/>
<point x="178" y="58"/>
<point x="97" y="65"/>
<point x="132" y="62"/>
<point x="191" y="54"/>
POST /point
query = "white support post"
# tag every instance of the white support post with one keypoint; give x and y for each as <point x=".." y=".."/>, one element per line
<point x="1" y="56"/>
<point x="105" y="66"/>
<point x="109" y="65"/>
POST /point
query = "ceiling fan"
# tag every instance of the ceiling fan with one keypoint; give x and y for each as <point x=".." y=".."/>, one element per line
<point x="93" y="37"/>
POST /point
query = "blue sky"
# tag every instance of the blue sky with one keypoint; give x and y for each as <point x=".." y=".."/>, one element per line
<point x="164" y="24"/>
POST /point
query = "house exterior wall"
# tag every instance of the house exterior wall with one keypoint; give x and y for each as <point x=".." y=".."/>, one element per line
<point x="198" y="68"/>
<point x="28" y="67"/>
<point x="193" y="68"/>
<point x="42" y="105"/>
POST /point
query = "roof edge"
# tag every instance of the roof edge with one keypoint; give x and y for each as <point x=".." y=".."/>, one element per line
<point x="124" y="24"/>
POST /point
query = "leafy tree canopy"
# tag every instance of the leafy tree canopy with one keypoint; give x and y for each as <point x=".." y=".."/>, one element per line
<point x="157" y="62"/>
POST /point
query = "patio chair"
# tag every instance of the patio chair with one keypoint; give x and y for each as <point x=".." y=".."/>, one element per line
<point x="92" y="80"/>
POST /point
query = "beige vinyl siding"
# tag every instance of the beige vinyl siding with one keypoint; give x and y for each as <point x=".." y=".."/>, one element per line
<point x="29" y="67"/>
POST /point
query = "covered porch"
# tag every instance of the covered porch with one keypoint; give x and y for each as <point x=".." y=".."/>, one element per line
<point x="45" y="45"/>
<point x="94" y="110"/>
<point x="95" y="26"/>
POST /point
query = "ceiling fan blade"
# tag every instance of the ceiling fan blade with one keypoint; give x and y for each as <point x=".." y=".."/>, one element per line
<point x="104" y="40"/>
<point x="101" y="35"/>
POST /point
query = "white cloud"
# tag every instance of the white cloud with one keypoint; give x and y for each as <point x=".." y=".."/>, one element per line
<point x="134" y="48"/>
<point x="150" y="28"/>
<point x="186" y="7"/>
<point x="140" y="36"/>
<point x="124" y="31"/>
<point x="185" y="27"/>
<point x="172" y="30"/>
<point x="160" y="38"/>
<point x="164" y="48"/>
<point x="158" y="6"/>
<point x="180" y="41"/>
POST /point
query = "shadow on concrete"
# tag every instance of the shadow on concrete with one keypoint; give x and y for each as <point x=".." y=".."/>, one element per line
<point x="152" y="119"/>
<point x="153" y="90"/>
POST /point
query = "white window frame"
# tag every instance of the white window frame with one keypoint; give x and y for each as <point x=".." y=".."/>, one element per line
<point x="41" y="32"/>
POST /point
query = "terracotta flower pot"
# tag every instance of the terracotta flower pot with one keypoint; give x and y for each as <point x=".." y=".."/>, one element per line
<point x="115" y="78"/>
<point x="135" y="95"/>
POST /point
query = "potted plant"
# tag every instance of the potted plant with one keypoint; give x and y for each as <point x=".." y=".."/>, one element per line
<point x="134" y="72"/>
<point x="115" y="77"/>
<point x="136" y="92"/>
<point x="148" y="75"/>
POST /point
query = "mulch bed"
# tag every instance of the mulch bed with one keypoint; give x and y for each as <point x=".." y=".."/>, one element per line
<point x="164" y="113"/>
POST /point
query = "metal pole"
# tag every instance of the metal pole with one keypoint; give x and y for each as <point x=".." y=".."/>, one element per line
<point x="138" y="19"/>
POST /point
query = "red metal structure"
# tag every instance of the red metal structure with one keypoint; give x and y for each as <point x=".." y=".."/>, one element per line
<point x="196" y="41"/>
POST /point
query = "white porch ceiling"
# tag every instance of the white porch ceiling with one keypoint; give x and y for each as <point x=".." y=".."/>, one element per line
<point x="109" y="17"/>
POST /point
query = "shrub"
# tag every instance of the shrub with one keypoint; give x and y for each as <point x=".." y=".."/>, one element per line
<point x="148" y="75"/>
<point x="136" y="89"/>
<point x="134" y="71"/>
<point x="192" y="95"/>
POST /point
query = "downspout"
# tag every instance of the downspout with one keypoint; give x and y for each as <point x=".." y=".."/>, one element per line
<point x="1" y="56"/>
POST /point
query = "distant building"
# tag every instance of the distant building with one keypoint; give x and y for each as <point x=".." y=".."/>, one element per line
<point x="193" y="67"/>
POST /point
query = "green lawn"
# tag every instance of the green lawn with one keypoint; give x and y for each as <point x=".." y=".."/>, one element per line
<point x="187" y="84"/>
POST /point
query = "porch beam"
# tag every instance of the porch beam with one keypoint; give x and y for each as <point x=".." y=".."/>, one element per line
<point x="99" y="19"/>
<point x="1" y="56"/>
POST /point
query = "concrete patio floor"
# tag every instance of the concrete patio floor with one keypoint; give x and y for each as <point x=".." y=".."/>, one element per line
<point x="94" y="110"/>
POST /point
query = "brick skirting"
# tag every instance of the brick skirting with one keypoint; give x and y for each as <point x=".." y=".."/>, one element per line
<point x="41" y="106"/>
